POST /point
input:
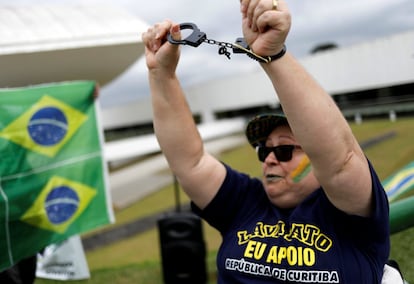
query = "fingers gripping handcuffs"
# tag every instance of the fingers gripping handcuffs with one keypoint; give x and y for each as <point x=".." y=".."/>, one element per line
<point x="198" y="37"/>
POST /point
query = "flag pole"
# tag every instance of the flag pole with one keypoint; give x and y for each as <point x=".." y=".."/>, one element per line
<point x="177" y="195"/>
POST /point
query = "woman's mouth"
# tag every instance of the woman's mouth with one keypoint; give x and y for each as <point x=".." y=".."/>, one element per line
<point x="272" y="178"/>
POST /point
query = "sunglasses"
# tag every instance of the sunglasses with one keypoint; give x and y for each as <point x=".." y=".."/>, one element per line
<point x="283" y="153"/>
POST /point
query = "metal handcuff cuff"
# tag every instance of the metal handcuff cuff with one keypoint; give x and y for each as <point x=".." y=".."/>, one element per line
<point x="197" y="37"/>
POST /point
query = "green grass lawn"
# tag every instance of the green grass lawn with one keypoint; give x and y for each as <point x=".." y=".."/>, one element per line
<point x="137" y="259"/>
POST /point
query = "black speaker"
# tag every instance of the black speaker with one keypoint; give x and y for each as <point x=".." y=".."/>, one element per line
<point x="183" y="249"/>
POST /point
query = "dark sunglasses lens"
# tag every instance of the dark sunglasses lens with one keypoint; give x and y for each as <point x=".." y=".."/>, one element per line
<point x="263" y="152"/>
<point x="283" y="153"/>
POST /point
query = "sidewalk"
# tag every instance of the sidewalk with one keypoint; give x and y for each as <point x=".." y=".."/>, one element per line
<point x="130" y="184"/>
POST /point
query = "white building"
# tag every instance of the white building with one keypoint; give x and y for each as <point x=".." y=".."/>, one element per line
<point x="52" y="43"/>
<point x="384" y="66"/>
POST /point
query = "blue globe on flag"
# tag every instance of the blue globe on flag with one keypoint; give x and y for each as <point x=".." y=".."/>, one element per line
<point x="61" y="204"/>
<point x="48" y="126"/>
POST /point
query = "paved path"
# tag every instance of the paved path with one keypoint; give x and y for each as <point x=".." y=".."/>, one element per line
<point x="130" y="184"/>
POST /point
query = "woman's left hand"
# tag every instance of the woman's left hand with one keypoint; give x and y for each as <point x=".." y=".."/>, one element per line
<point x="266" y="24"/>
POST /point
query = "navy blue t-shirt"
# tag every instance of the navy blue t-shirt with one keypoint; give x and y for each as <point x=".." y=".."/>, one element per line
<point x="312" y="243"/>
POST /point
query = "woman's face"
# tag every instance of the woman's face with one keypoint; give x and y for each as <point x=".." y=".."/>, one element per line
<point x="279" y="184"/>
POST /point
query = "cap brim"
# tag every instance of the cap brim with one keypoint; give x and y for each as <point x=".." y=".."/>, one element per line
<point x="259" y="127"/>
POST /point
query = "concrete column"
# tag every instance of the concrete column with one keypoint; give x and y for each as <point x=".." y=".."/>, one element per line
<point x="393" y="115"/>
<point x="207" y="116"/>
<point x="358" y="118"/>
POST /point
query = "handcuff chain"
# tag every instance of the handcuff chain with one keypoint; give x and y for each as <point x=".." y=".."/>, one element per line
<point x="219" y="43"/>
<point x="222" y="46"/>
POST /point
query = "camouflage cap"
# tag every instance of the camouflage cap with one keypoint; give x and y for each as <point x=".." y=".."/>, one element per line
<point x="260" y="126"/>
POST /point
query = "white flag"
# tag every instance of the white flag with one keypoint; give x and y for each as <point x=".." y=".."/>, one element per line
<point x="64" y="261"/>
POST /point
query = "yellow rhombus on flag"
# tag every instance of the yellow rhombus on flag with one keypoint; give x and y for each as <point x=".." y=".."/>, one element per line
<point x="45" y="127"/>
<point x="59" y="204"/>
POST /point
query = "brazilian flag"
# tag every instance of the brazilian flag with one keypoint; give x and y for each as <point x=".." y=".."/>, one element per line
<point x="53" y="178"/>
<point x="400" y="191"/>
<point x="400" y="184"/>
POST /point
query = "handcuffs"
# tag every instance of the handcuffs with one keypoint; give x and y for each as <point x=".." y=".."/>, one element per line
<point x="198" y="37"/>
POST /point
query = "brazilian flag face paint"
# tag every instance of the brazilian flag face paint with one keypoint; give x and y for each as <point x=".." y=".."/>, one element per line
<point x="302" y="170"/>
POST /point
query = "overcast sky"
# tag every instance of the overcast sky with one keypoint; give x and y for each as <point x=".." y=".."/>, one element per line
<point x="313" y="22"/>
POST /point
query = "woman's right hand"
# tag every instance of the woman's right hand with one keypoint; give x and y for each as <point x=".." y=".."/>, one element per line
<point x="161" y="56"/>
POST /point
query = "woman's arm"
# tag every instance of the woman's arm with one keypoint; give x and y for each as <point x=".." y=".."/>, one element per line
<point x="337" y="159"/>
<point x="199" y="173"/>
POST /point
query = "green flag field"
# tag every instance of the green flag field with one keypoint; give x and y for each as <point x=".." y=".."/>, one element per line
<point x="53" y="179"/>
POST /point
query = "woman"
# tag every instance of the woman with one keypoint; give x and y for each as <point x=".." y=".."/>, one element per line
<point x="319" y="214"/>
